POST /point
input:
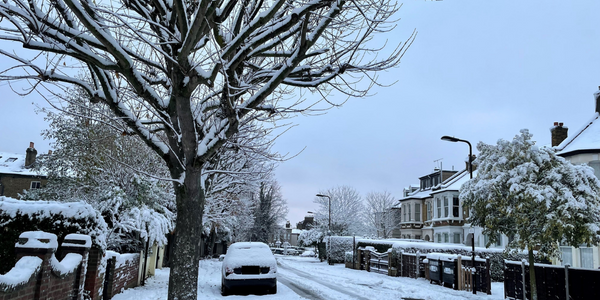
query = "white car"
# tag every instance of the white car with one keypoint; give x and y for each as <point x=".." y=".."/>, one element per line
<point x="249" y="265"/>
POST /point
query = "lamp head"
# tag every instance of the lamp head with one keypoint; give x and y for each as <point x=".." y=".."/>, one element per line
<point x="450" y="139"/>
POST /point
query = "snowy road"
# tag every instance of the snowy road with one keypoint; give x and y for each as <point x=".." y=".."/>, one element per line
<point x="306" y="278"/>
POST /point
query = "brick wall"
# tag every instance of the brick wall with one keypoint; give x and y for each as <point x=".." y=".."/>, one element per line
<point x="12" y="185"/>
<point x="94" y="279"/>
<point x="47" y="282"/>
<point x="122" y="273"/>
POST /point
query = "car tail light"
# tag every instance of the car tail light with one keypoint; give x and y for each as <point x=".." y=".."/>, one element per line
<point x="264" y="270"/>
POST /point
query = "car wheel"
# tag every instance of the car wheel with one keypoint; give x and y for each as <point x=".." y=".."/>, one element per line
<point x="224" y="290"/>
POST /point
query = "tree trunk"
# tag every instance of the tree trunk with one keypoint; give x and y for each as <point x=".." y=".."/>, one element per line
<point x="532" y="283"/>
<point x="183" y="280"/>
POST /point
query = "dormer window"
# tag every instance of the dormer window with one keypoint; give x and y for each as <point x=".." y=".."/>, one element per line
<point x="11" y="159"/>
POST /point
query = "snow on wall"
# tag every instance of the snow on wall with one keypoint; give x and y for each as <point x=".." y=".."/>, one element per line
<point x="68" y="265"/>
<point x="38" y="239"/>
<point x="122" y="259"/>
<point x="21" y="273"/>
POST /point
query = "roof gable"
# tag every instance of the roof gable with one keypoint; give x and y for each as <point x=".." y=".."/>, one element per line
<point x="585" y="139"/>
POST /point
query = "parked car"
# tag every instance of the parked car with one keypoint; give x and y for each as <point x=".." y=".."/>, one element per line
<point x="249" y="265"/>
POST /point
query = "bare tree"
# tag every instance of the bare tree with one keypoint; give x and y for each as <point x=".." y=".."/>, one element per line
<point x="185" y="75"/>
<point x="347" y="209"/>
<point x="380" y="215"/>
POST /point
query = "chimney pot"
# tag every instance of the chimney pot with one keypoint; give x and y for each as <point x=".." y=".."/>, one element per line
<point x="555" y="123"/>
<point x="560" y="124"/>
<point x="49" y="152"/>
<point x="31" y="145"/>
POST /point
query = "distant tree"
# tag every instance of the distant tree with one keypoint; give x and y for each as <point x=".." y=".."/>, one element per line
<point x="347" y="211"/>
<point x="534" y="195"/>
<point x="270" y="209"/>
<point x="185" y="75"/>
<point x="380" y="217"/>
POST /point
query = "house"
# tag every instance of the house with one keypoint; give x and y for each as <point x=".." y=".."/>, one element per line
<point x="581" y="147"/>
<point x="412" y="214"/>
<point x="16" y="174"/>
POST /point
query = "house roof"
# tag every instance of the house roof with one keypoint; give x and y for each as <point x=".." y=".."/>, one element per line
<point x="451" y="184"/>
<point x="13" y="163"/>
<point x="587" y="139"/>
<point x="455" y="182"/>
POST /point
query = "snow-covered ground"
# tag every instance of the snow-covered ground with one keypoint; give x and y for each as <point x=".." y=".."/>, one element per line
<point x="307" y="278"/>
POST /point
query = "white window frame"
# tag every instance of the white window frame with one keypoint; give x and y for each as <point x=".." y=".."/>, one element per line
<point x="446" y="207"/>
<point x="417" y="212"/>
<point x="38" y="185"/>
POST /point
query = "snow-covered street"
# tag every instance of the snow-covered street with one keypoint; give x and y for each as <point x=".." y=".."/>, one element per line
<point x="308" y="278"/>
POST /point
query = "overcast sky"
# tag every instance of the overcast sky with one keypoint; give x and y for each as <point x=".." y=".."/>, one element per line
<point x="478" y="70"/>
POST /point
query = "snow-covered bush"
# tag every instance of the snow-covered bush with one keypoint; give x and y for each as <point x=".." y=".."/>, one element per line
<point x="310" y="238"/>
<point x="17" y="216"/>
<point x="338" y="247"/>
<point x="348" y="256"/>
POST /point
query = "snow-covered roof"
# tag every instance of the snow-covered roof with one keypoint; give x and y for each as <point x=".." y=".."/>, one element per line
<point x="296" y="231"/>
<point x="455" y="182"/>
<point x="585" y="139"/>
<point x="13" y="163"/>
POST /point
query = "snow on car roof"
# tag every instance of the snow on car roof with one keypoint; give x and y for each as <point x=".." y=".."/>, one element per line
<point x="249" y="254"/>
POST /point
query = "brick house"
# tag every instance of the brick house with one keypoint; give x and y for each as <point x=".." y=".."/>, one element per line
<point x="16" y="174"/>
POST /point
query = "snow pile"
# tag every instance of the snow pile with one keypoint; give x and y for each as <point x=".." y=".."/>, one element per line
<point x="37" y="239"/>
<point x="122" y="259"/>
<point x="77" y="240"/>
<point x="67" y="266"/>
<point x="20" y="274"/>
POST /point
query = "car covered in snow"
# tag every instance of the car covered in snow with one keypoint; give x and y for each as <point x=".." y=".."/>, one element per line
<point x="249" y="265"/>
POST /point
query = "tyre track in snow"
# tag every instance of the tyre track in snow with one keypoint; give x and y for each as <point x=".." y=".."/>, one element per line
<point x="309" y="293"/>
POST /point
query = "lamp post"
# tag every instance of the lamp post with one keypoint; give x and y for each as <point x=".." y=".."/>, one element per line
<point x="454" y="140"/>
<point x="328" y="228"/>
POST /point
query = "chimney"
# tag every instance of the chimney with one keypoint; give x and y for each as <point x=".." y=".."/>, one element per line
<point x="30" y="156"/>
<point x="559" y="133"/>
<point x="287" y="224"/>
<point x="49" y="152"/>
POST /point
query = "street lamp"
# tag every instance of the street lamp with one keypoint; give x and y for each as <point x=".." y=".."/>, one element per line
<point x="329" y="227"/>
<point x="454" y="140"/>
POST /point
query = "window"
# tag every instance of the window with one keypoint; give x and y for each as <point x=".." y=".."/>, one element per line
<point x="445" y="207"/>
<point x="457" y="238"/>
<point x="428" y="208"/>
<point x="566" y="255"/>
<point x="418" y="237"/>
<point x="438" y="238"/>
<point x="439" y="207"/>
<point x="499" y="240"/>
<point x="455" y="206"/>
<point x="445" y="237"/>
<point x="35" y="185"/>
<point x="587" y="258"/>
<point x="404" y="212"/>
<point x="418" y="212"/>
<point x="408" y="213"/>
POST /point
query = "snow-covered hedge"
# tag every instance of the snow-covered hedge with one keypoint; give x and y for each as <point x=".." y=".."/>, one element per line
<point x="17" y="216"/>
<point x="339" y="246"/>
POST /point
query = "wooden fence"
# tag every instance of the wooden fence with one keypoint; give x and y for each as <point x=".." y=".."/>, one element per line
<point x="452" y="271"/>
<point x="553" y="282"/>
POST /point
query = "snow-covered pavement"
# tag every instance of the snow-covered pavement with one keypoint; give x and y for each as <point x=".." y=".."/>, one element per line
<point x="307" y="278"/>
